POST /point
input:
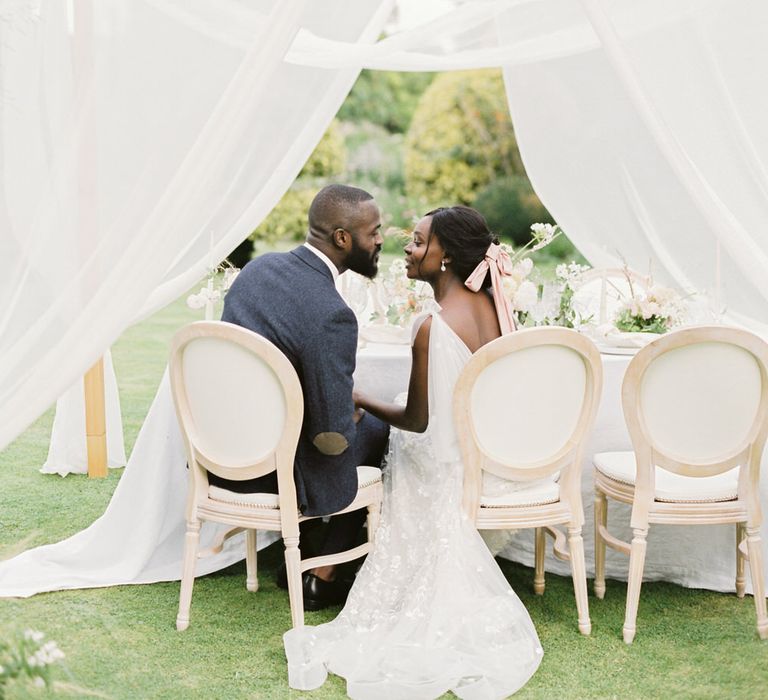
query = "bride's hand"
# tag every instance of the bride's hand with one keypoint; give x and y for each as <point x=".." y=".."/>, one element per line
<point x="357" y="399"/>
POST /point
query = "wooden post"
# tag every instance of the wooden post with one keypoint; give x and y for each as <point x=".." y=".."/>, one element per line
<point x="95" y="421"/>
<point x="87" y="185"/>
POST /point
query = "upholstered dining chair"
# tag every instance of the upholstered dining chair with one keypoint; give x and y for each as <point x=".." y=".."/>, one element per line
<point x="696" y="405"/>
<point x="240" y="407"/>
<point x="523" y="407"/>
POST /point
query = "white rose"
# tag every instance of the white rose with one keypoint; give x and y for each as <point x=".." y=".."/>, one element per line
<point x="526" y="296"/>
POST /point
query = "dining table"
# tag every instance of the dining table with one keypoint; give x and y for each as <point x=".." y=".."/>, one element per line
<point x="701" y="556"/>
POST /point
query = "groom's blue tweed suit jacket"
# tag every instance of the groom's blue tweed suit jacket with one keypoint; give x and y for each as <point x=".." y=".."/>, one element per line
<point x="290" y="299"/>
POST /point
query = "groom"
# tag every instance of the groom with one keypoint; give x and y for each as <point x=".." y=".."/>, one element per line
<point x="291" y="299"/>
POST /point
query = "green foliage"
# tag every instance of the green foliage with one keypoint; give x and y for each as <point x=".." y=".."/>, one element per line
<point x="375" y="157"/>
<point x="510" y="206"/>
<point x="628" y="323"/>
<point x="460" y="138"/>
<point x="289" y="218"/>
<point x="566" y="315"/>
<point x="385" y="98"/>
<point x="329" y="157"/>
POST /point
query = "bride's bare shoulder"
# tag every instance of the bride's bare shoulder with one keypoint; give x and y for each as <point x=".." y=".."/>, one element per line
<point x="420" y="330"/>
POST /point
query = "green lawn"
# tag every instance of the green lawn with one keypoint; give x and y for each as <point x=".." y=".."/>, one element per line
<point x="122" y="641"/>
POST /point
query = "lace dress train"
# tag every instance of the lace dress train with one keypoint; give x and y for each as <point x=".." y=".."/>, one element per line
<point x="430" y="610"/>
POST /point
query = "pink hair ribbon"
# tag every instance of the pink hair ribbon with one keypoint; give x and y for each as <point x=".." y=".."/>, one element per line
<point x="499" y="264"/>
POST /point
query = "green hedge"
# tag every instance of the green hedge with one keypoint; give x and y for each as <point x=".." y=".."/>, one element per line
<point x="460" y="139"/>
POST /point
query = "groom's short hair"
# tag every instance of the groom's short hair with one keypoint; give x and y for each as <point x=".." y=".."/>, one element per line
<point x="333" y="207"/>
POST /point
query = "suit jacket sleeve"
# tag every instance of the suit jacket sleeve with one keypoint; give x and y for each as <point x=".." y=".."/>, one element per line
<point x="327" y="365"/>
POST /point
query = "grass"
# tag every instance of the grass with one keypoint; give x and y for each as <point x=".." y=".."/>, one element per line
<point x="121" y="641"/>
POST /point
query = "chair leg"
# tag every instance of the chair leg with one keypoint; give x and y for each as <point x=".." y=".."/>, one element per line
<point x="579" y="573"/>
<point x="540" y="545"/>
<point x="755" y="549"/>
<point x="295" y="590"/>
<point x="636" y="564"/>
<point x="251" y="561"/>
<point x="601" y="519"/>
<point x="191" y="540"/>
<point x="741" y="533"/>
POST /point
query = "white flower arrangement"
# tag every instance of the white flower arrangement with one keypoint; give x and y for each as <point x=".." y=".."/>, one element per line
<point x="543" y="234"/>
<point x="569" y="276"/>
<point x="522" y="293"/>
<point x="403" y="297"/>
<point x="212" y="292"/>
<point x="654" y="311"/>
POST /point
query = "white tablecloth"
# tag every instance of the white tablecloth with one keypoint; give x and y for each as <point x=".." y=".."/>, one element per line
<point x="140" y="537"/>
<point x="698" y="557"/>
<point x="68" y="452"/>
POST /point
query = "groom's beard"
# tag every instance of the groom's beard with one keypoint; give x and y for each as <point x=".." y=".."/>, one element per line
<point x="363" y="262"/>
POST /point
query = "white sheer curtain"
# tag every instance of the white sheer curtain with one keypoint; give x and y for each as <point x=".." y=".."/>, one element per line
<point x="642" y="125"/>
<point x="141" y="141"/>
<point x="653" y="145"/>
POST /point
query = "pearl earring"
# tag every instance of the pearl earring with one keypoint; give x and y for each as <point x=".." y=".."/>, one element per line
<point x="442" y="266"/>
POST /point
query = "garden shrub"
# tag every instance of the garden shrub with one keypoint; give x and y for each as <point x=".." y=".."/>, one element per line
<point x="386" y="98"/>
<point x="510" y="206"/>
<point x="329" y="157"/>
<point x="288" y="220"/>
<point x="460" y="138"/>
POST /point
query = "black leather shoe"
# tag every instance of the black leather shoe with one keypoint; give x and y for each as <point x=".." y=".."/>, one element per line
<point x="319" y="594"/>
<point x="281" y="577"/>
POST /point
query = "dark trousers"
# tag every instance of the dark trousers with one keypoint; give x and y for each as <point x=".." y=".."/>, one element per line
<point x="342" y="532"/>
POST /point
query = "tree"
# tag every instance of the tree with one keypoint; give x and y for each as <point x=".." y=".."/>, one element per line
<point x="385" y="98"/>
<point x="460" y="138"/>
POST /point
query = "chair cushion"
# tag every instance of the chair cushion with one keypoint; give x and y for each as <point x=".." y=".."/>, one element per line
<point x="538" y="493"/>
<point x="366" y="476"/>
<point x="671" y="487"/>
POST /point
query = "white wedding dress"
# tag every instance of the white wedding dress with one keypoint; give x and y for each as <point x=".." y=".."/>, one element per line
<point x="430" y="610"/>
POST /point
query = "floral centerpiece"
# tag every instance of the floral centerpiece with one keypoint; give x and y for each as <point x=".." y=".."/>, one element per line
<point x="521" y="291"/>
<point x="653" y="311"/>
<point x="396" y="299"/>
<point x="213" y="290"/>
<point x="569" y="277"/>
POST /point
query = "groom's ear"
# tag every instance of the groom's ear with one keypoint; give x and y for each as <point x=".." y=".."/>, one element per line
<point x="341" y="238"/>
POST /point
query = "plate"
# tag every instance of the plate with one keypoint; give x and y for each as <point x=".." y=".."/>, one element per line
<point x="615" y="350"/>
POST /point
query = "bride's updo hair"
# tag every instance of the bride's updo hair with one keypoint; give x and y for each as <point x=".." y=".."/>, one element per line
<point x="464" y="235"/>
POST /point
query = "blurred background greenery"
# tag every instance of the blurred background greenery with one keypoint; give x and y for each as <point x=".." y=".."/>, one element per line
<point x="417" y="141"/>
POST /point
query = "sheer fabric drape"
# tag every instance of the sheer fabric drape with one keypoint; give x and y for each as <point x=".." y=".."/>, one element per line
<point x="641" y="126"/>
<point x="140" y="142"/>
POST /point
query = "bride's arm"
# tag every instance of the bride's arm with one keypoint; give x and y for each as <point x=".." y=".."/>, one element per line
<point x="414" y="416"/>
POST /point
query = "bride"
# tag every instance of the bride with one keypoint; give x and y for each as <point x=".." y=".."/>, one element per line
<point x="430" y="610"/>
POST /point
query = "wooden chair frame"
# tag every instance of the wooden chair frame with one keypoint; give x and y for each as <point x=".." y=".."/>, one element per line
<point x="567" y="460"/>
<point x="744" y="510"/>
<point x="286" y="517"/>
<point x="605" y="274"/>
